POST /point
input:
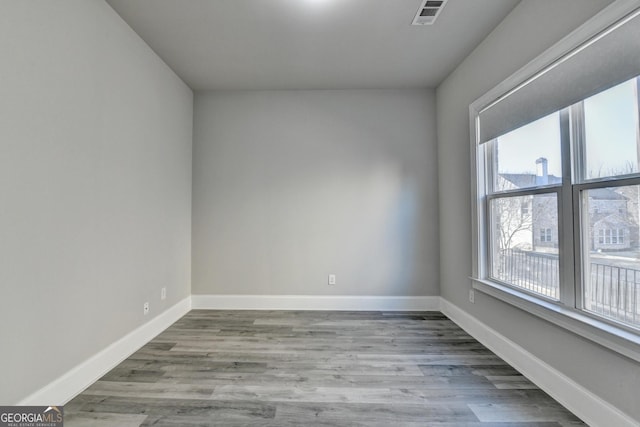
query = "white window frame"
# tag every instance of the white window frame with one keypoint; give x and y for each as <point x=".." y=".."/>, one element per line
<point x="567" y="311"/>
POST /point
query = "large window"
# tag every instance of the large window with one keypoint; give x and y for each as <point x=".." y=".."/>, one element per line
<point x="557" y="186"/>
<point x="524" y="168"/>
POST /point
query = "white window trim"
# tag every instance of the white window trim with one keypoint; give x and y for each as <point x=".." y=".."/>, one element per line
<point x="609" y="335"/>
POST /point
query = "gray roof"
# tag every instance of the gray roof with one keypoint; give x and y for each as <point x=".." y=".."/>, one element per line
<point x="605" y="194"/>
<point x="526" y="180"/>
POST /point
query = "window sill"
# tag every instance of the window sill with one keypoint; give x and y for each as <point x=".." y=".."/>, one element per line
<point x="614" y="338"/>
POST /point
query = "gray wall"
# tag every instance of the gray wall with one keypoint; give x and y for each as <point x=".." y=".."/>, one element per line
<point x="290" y="186"/>
<point x="532" y="27"/>
<point x="95" y="187"/>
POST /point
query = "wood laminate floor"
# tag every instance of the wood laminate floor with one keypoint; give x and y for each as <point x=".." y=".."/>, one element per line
<point x="290" y="368"/>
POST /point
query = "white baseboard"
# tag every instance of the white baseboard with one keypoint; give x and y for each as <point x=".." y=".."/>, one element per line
<point x="315" y="302"/>
<point x="586" y="405"/>
<point x="66" y="387"/>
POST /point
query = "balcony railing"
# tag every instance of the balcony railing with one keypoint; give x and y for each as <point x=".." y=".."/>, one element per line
<point x="612" y="290"/>
<point x="534" y="271"/>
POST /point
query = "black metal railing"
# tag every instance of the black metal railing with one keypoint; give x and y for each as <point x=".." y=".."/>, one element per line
<point x="614" y="292"/>
<point x="535" y="271"/>
<point x="611" y="290"/>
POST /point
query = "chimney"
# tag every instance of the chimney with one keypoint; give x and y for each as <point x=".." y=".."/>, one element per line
<point x="542" y="171"/>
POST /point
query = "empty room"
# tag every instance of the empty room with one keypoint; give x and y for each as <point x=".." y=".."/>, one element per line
<point x="320" y="212"/>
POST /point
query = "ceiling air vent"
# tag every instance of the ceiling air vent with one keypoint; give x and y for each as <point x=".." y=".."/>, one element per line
<point x="428" y="12"/>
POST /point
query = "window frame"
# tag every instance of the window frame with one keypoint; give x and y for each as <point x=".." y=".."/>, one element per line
<point x="533" y="191"/>
<point x="581" y="237"/>
<point x="568" y="312"/>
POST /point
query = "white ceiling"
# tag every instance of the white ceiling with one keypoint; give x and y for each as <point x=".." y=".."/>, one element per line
<point x="310" y="44"/>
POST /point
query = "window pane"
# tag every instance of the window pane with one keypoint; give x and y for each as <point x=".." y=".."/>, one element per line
<point x="611" y="132"/>
<point x="612" y="252"/>
<point x="529" y="156"/>
<point x="525" y="245"/>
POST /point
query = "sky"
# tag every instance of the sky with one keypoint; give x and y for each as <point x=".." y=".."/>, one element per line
<point x="611" y="125"/>
<point x="519" y="149"/>
<point x="611" y="121"/>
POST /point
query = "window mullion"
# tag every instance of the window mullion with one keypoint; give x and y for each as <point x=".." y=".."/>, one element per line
<point x="491" y="171"/>
<point x="637" y="93"/>
<point x="566" y="246"/>
<point x="579" y="158"/>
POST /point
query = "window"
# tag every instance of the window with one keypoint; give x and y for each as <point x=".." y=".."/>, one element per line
<point x="610" y="132"/>
<point x="611" y="236"/>
<point x="545" y="235"/>
<point x="557" y="157"/>
<point x="522" y="173"/>
<point x="525" y="167"/>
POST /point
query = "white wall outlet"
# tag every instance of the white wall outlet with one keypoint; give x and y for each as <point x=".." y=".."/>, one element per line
<point x="332" y="279"/>
<point x="163" y="293"/>
<point x="472" y="296"/>
<point x="145" y="308"/>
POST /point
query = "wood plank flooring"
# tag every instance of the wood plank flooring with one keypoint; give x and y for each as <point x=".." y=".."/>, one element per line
<point x="288" y="368"/>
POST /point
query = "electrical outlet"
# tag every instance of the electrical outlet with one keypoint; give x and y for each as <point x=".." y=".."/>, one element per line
<point x="145" y="308"/>
<point x="163" y="293"/>
<point x="332" y="279"/>
<point x="472" y="296"/>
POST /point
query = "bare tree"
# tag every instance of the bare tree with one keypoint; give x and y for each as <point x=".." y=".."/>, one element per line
<point x="513" y="216"/>
<point x="628" y="168"/>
